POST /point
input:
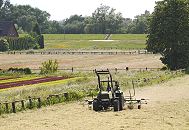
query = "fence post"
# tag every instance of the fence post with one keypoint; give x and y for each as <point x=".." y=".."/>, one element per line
<point x="7" y="107"/>
<point x="72" y="69"/>
<point x="30" y="102"/>
<point x="116" y="70"/>
<point x="48" y="100"/>
<point x="0" y="108"/>
<point x="22" y="103"/>
<point x="66" y="96"/>
<point x="13" y="107"/>
<point x="39" y="102"/>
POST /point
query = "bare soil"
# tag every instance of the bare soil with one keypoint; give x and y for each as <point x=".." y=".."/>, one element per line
<point x="168" y="109"/>
<point x="82" y="61"/>
<point x="30" y="82"/>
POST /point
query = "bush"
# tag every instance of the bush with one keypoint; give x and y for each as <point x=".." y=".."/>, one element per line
<point x="20" y="70"/>
<point x="187" y="70"/>
<point x="49" y="67"/>
<point x="4" y="46"/>
<point x="27" y="71"/>
<point x="164" y="68"/>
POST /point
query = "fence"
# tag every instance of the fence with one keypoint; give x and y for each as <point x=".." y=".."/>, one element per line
<point x="81" y="52"/>
<point x="73" y="69"/>
<point x="30" y="103"/>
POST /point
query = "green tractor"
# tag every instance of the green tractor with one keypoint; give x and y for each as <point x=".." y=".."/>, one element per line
<point x="109" y="94"/>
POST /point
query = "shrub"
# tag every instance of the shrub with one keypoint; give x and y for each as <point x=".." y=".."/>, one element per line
<point x="187" y="70"/>
<point x="27" y="71"/>
<point x="164" y="68"/>
<point x="49" y="67"/>
<point x="20" y="70"/>
<point x="4" y="46"/>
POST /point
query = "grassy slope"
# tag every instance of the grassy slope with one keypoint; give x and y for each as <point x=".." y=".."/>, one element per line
<point x="87" y="82"/>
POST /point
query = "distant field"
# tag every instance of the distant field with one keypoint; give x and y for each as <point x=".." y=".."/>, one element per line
<point x="85" y="41"/>
<point x="74" y="36"/>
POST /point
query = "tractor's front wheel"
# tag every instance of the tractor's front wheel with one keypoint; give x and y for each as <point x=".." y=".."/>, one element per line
<point x="116" y="105"/>
<point x="96" y="105"/>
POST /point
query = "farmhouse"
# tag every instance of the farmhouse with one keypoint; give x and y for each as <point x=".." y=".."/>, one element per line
<point x="8" y="29"/>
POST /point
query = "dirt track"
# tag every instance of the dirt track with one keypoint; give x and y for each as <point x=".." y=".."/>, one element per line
<point x="168" y="108"/>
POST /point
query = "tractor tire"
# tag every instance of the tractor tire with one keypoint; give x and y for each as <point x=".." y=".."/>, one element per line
<point x="116" y="105"/>
<point x="139" y="106"/>
<point x="121" y="103"/>
<point x="96" y="105"/>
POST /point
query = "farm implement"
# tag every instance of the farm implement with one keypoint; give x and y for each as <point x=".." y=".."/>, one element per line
<point x="110" y="95"/>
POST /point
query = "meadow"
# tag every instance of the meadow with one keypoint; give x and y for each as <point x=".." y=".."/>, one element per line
<point x="94" y="41"/>
<point x="80" y="62"/>
<point x="163" y="88"/>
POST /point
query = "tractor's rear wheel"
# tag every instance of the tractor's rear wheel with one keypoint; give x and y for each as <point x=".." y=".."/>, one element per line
<point x="116" y="105"/>
<point x="139" y="106"/>
<point x="96" y="105"/>
<point x="121" y="103"/>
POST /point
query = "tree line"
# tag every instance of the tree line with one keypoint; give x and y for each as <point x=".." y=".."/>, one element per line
<point x="102" y="21"/>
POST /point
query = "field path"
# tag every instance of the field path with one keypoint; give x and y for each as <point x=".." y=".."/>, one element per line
<point x="168" y="108"/>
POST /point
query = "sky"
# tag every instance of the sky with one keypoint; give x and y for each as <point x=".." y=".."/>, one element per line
<point x="61" y="9"/>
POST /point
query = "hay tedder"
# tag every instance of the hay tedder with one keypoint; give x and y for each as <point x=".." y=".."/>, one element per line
<point x="110" y="95"/>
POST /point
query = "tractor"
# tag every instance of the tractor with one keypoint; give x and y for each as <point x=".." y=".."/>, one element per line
<point x="109" y="94"/>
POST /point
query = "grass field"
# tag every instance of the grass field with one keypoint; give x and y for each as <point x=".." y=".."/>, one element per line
<point x="167" y="91"/>
<point x="87" y="41"/>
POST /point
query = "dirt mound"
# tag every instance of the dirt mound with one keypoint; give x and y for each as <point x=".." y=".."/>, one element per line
<point x="168" y="108"/>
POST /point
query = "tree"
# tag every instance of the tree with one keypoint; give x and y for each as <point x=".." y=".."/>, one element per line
<point x="36" y="29"/>
<point x="74" y="24"/>
<point x="5" y="10"/>
<point x="104" y="20"/>
<point x="139" y="24"/>
<point x="38" y="36"/>
<point x="169" y="33"/>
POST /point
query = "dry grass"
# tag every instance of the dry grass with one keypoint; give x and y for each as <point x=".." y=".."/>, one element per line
<point x="81" y="61"/>
<point x="167" y="110"/>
